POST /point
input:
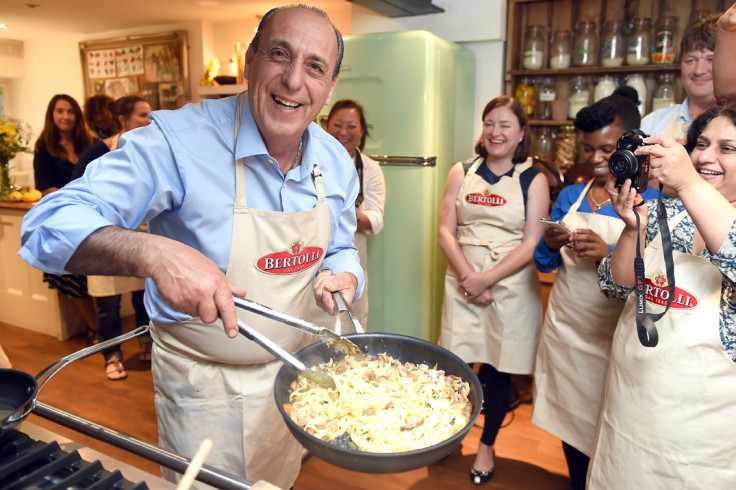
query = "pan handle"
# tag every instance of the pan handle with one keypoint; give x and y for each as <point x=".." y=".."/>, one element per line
<point x="86" y="352"/>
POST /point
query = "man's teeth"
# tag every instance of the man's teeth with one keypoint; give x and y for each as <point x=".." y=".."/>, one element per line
<point x="285" y="102"/>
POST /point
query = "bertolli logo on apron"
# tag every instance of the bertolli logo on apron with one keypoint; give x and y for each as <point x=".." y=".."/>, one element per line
<point x="485" y="199"/>
<point x="290" y="261"/>
<point x="657" y="294"/>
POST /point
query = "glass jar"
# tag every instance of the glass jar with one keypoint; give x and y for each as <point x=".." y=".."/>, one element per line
<point x="559" y="50"/>
<point x="532" y="56"/>
<point x="544" y="144"/>
<point x="636" y="81"/>
<point x="585" y="52"/>
<point x="639" y="42"/>
<point x="699" y="14"/>
<point x="612" y="43"/>
<point x="578" y="94"/>
<point x="666" y="33"/>
<point x="525" y="95"/>
<point x="546" y="95"/>
<point x="604" y="87"/>
<point x="566" y="147"/>
<point x="665" y="92"/>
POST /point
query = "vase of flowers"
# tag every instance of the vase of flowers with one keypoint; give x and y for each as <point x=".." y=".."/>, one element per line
<point x="14" y="139"/>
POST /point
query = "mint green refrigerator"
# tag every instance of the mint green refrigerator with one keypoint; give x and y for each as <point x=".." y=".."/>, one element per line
<point x="418" y="94"/>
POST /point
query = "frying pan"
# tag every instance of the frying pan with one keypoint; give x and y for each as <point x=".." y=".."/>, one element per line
<point x="405" y="349"/>
<point x="19" y="391"/>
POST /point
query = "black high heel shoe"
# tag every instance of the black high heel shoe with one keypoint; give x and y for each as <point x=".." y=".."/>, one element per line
<point x="481" y="477"/>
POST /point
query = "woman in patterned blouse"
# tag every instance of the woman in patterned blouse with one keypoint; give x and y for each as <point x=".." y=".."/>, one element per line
<point x="667" y="419"/>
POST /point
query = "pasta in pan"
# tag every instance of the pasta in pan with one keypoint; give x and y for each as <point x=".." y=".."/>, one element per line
<point x="384" y="406"/>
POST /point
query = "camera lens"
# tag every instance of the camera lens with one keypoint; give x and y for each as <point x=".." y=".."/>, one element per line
<point x="623" y="164"/>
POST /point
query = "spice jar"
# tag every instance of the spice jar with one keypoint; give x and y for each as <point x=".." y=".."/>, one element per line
<point x="665" y="40"/>
<point x="546" y="95"/>
<point x="604" y="87"/>
<point x="612" y="43"/>
<point x="585" y="52"/>
<point x="534" y="47"/>
<point x="544" y="144"/>
<point x="566" y="147"/>
<point x="578" y="94"/>
<point x="665" y="92"/>
<point x="525" y="95"/>
<point x="559" y="50"/>
<point x="639" y="42"/>
<point x="636" y="81"/>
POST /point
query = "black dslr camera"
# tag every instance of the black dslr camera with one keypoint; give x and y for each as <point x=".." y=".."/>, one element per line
<point x="623" y="164"/>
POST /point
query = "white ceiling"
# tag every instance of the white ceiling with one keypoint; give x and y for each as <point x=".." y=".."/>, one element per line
<point x="60" y="17"/>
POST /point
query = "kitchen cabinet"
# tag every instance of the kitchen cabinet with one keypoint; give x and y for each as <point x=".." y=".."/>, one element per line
<point x="554" y="15"/>
<point x="25" y="300"/>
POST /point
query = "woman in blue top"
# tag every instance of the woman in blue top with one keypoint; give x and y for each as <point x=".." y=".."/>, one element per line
<point x="573" y="354"/>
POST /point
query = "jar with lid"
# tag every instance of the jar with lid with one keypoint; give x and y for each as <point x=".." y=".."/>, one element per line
<point x="665" y="92"/>
<point x="666" y="40"/>
<point x="612" y="43"/>
<point x="639" y="42"/>
<point x="546" y="95"/>
<point x="578" y="94"/>
<point x="636" y="81"/>
<point x="566" y="147"/>
<point x="604" y="87"/>
<point x="544" y="144"/>
<point x="559" y="50"/>
<point x="585" y="52"/>
<point x="525" y="95"/>
<point x="534" y="48"/>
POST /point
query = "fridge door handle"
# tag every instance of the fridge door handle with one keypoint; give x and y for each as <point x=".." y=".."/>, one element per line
<point x="405" y="161"/>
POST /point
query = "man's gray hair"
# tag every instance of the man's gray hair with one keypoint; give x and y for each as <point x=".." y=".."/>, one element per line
<point x="321" y="13"/>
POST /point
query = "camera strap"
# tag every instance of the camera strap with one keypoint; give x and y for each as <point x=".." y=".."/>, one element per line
<point x="645" y="327"/>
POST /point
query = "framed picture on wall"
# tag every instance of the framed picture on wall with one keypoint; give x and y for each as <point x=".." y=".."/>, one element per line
<point x="152" y="66"/>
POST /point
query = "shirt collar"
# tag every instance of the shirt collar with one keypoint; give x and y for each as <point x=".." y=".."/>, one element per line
<point x="250" y="143"/>
<point x="684" y="111"/>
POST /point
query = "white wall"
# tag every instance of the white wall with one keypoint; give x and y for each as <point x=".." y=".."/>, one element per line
<point x="479" y="25"/>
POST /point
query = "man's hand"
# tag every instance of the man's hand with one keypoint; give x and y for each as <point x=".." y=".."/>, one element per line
<point x="192" y="283"/>
<point x="326" y="283"/>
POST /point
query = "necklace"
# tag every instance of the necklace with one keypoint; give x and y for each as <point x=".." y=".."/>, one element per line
<point x="298" y="154"/>
<point x="597" y="205"/>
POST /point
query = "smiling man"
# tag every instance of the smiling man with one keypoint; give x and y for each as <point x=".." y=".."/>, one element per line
<point x="227" y="187"/>
<point x="696" y="75"/>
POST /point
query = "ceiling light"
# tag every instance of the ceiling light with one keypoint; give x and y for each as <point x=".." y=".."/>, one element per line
<point x="3" y="26"/>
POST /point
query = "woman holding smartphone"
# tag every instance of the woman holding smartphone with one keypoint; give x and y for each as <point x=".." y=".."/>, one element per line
<point x="573" y="354"/>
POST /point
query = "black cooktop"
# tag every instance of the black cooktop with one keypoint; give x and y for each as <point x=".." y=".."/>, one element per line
<point x="27" y="463"/>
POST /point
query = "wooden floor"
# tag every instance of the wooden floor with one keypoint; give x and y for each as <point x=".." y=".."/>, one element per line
<point x="526" y="456"/>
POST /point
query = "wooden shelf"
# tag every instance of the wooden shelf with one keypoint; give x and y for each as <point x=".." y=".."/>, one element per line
<point x="220" y="90"/>
<point x="595" y="70"/>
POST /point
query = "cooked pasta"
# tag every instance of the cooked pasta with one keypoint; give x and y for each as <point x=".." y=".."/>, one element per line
<point x="383" y="405"/>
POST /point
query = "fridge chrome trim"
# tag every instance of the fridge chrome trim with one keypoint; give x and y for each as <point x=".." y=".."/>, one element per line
<point x="405" y="161"/>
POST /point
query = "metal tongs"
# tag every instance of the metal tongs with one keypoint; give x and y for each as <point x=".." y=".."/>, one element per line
<point x="326" y="335"/>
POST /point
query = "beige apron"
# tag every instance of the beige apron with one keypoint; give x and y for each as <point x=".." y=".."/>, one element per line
<point x="505" y="333"/>
<point x="669" y="413"/>
<point x="208" y="385"/>
<point x="572" y="361"/>
<point x="101" y="286"/>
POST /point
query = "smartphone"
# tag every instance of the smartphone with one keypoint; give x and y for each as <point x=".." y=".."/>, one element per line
<point x="555" y="224"/>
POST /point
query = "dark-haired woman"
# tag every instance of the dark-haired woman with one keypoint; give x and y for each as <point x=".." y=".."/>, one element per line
<point x="346" y="122"/>
<point x="130" y="112"/>
<point x="100" y="120"/>
<point x="668" y="415"/>
<point x="488" y="228"/>
<point x="63" y="138"/>
<point x="572" y="361"/>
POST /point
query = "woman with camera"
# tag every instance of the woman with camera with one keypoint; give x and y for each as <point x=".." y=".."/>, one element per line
<point x="488" y="227"/>
<point x="668" y="416"/>
<point x="572" y="360"/>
